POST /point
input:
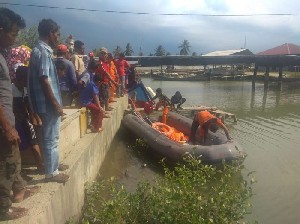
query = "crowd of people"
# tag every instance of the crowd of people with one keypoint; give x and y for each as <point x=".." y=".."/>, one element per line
<point x="35" y="89"/>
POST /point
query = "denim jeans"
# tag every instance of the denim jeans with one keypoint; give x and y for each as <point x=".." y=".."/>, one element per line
<point x="50" y="129"/>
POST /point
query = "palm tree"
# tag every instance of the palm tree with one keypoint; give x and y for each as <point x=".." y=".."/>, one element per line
<point x="129" y="51"/>
<point x="184" y="48"/>
<point x="117" y="51"/>
<point x="160" y="51"/>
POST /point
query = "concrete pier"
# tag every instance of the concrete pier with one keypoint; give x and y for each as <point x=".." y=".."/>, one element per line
<point x="84" y="153"/>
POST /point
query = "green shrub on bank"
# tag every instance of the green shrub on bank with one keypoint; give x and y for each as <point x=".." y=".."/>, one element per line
<point x="190" y="193"/>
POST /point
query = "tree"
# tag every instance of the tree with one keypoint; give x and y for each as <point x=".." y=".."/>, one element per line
<point x="28" y="37"/>
<point x="129" y="51"/>
<point x="184" y="47"/>
<point x="194" y="54"/>
<point x="160" y="51"/>
<point x="117" y="51"/>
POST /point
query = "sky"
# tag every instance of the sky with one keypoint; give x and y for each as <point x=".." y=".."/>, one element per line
<point x="208" y="25"/>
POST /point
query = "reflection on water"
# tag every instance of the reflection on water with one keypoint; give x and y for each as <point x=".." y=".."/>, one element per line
<point x="268" y="129"/>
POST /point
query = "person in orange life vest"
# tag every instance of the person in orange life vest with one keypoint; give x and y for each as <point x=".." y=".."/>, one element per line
<point x="103" y="72"/>
<point x="122" y="65"/>
<point x="113" y="74"/>
<point x="207" y="121"/>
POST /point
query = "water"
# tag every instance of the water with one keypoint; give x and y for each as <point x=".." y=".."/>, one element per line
<point x="268" y="129"/>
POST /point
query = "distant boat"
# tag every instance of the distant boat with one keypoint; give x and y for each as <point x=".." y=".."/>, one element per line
<point x="200" y="76"/>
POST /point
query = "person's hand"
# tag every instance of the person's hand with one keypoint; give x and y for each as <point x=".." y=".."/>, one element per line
<point x="59" y="110"/>
<point x="12" y="136"/>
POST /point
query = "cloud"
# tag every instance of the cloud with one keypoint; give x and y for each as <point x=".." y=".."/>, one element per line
<point x="205" y="33"/>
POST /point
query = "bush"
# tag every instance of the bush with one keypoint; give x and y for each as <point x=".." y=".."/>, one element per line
<point x="190" y="193"/>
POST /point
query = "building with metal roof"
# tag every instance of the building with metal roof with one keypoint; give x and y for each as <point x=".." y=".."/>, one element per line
<point x="241" y="51"/>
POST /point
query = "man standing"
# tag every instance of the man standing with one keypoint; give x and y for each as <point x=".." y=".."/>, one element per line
<point x="10" y="160"/>
<point x="44" y="96"/>
<point x="77" y="57"/>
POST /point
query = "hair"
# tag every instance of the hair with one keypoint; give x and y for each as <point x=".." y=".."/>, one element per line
<point x="47" y="26"/>
<point x="8" y="18"/>
<point x="93" y="64"/>
<point x="21" y="72"/>
<point x="158" y="90"/>
<point x="78" y="44"/>
<point x="109" y="55"/>
<point x="96" y="78"/>
<point x="60" y="65"/>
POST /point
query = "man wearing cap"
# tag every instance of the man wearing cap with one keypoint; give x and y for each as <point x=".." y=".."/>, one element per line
<point x="77" y="57"/>
<point x="68" y="82"/>
<point x="103" y="72"/>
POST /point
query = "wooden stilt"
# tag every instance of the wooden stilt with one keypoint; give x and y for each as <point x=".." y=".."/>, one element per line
<point x="280" y="79"/>
<point x="266" y="82"/>
<point x="254" y="77"/>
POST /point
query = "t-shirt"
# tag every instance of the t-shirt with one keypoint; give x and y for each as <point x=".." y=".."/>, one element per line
<point x="87" y="94"/>
<point x="121" y="66"/>
<point x="19" y="98"/>
<point x="102" y="71"/>
<point x="78" y="62"/>
<point x="6" y="97"/>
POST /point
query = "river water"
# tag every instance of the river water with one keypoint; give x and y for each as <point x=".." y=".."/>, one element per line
<point x="268" y="129"/>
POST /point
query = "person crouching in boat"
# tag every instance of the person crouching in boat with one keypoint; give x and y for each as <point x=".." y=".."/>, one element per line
<point x="207" y="121"/>
<point x="163" y="100"/>
<point x="177" y="99"/>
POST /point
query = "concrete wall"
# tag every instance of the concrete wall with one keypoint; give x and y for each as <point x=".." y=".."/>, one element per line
<point x="57" y="203"/>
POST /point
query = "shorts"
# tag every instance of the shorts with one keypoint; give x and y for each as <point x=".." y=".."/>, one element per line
<point x="27" y="134"/>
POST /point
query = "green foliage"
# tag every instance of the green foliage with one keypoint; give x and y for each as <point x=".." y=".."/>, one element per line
<point x="160" y="51"/>
<point x="28" y="37"/>
<point x="184" y="47"/>
<point x="128" y="51"/>
<point x="117" y="51"/>
<point x="189" y="193"/>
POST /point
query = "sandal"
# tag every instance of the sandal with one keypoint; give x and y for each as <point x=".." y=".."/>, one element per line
<point x="59" y="178"/>
<point x="25" y="193"/>
<point x="13" y="213"/>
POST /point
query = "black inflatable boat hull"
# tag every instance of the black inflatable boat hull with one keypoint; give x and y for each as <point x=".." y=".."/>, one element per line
<point x="165" y="147"/>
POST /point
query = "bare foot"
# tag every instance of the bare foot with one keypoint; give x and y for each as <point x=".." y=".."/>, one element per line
<point x="25" y="193"/>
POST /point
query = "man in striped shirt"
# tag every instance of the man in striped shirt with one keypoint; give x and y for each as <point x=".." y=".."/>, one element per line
<point x="44" y="96"/>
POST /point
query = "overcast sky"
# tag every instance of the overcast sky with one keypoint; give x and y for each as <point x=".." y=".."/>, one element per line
<point x="205" y="29"/>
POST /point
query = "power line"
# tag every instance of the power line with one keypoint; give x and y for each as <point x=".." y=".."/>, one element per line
<point x="146" y="13"/>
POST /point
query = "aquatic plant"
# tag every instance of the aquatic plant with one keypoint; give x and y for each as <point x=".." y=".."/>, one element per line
<point x="190" y="192"/>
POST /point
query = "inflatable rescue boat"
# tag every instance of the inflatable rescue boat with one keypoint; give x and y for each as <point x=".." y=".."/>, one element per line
<point x="170" y="140"/>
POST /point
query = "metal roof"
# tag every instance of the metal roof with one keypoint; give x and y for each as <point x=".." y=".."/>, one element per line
<point x="241" y="51"/>
<point x="285" y="49"/>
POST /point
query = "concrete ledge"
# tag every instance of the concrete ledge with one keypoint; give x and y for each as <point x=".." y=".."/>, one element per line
<point x="57" y="203"/>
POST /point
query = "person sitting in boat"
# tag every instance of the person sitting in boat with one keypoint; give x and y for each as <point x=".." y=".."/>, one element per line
<point x="207" y="121"/>
<point x="163" y="100"/>
<point x="177" y="99"/>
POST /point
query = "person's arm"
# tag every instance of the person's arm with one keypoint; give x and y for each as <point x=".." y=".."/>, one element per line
<point x="10" y="132"/>
<point x="49" y="94"/>
<point x="72" y="77"/>
<point x="225" y="130"/>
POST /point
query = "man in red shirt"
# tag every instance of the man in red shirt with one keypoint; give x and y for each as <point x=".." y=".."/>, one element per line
<point x="122" y="65"/>
<point x="103" y="72"/>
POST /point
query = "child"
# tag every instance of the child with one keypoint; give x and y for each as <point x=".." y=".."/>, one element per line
<point x="207" y="121"/>
<point x="89" y="99"/>
<point x="25" y="118"/>
<point x="163" y="99"/>
<point x="177" y="99"/>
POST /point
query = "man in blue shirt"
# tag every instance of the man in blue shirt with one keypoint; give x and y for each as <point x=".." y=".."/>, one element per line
<point x="44" y="96"/>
